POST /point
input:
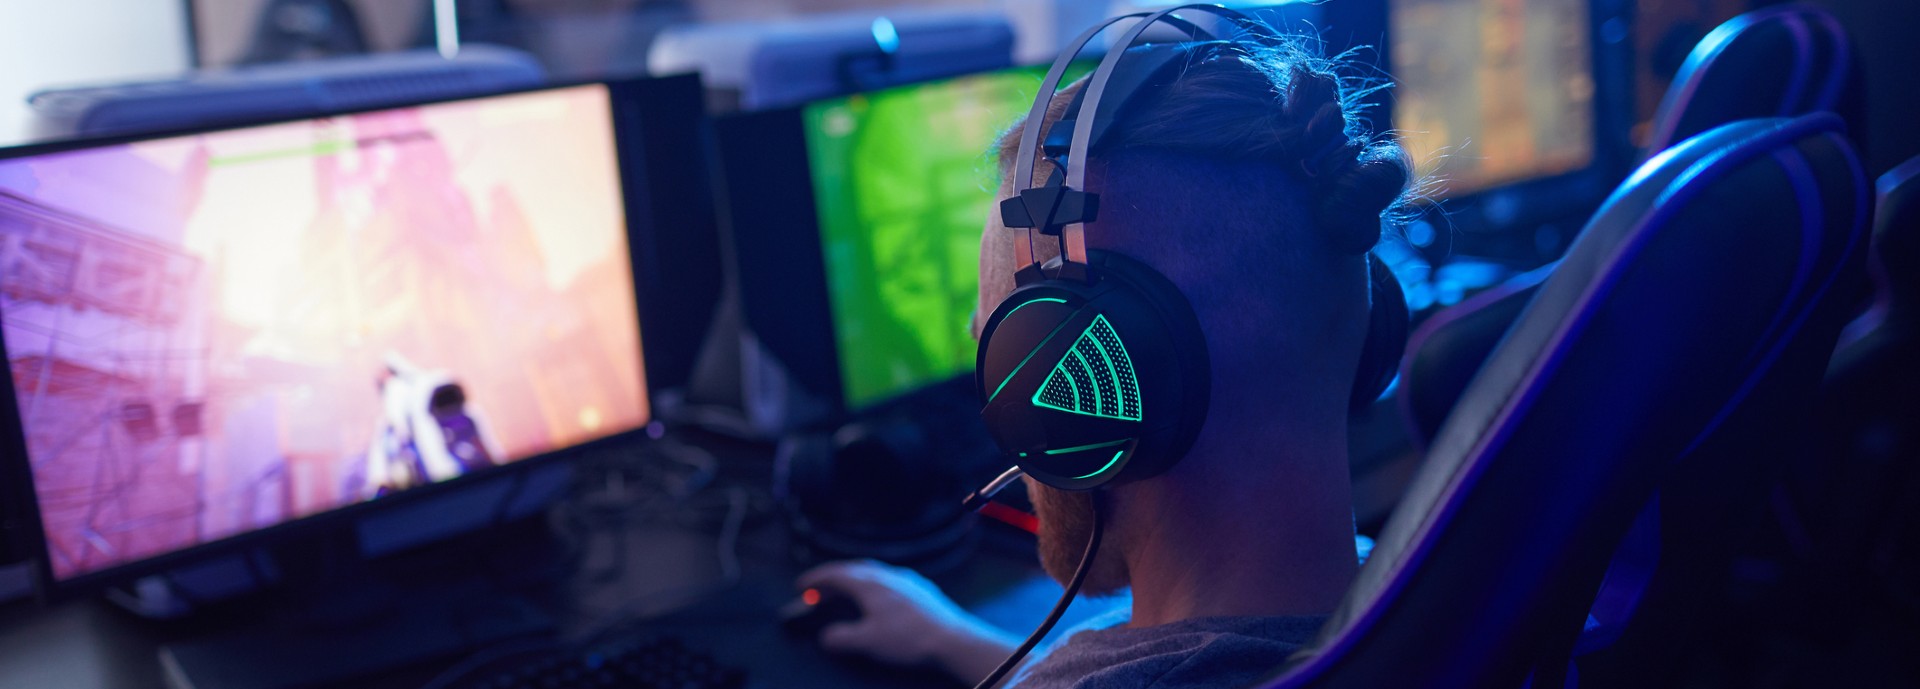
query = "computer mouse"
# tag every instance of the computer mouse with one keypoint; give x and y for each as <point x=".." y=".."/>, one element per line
<point x="816" y="608"/>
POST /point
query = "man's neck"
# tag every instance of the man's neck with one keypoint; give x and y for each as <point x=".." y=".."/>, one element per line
<point x="1243" y="543"/>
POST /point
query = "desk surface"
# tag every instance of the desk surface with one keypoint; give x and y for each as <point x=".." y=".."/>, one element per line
<point x="638" y="576"/>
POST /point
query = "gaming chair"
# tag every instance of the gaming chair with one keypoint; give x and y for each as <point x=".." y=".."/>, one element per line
<point x="1871" y="398"/>
<point x="1729" y="76"/>
<point x="1695" y="310"/>
<point x="1849" y="510"/>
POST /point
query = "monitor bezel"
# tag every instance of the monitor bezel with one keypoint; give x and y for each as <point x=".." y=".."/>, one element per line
<point x="772" y="222"/>
<point x="625" y="117"/>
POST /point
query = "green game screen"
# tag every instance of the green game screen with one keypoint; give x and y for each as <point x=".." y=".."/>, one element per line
<point x="903" y="179"/>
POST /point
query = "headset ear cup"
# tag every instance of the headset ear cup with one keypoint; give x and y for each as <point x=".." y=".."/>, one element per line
<point x="1388" y="321"/>
<point x="1130" y="340"/>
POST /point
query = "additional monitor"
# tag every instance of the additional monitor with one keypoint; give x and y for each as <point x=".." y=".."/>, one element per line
<point x="902" y="182"/>
<point x="217" y="333"/>
<point x="1493" y="92"/>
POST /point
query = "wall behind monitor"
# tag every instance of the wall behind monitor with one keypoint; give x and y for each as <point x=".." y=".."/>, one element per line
<point x="45" y="43"/>
<point x="744" y="10"/>
<point x="224" y="29"/>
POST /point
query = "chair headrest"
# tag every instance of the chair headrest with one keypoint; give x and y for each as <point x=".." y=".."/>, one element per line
<point x="1896" y="234"/>
<point x="1806" y="53"/>
<point x="1686" y="300"/>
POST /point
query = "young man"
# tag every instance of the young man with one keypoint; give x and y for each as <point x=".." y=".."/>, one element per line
<point x="1250" y="183"/>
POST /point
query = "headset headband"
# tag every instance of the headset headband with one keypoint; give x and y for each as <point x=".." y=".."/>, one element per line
<point x="1040" y="209"/>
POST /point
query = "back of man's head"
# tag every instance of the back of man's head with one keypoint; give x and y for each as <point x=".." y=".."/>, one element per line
<point x="1251" y="182"/>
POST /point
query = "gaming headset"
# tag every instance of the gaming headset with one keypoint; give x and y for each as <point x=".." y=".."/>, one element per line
<point x="1094" y="371"/>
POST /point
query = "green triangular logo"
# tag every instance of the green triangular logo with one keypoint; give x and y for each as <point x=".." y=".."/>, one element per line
<point x="1095" y="377"/>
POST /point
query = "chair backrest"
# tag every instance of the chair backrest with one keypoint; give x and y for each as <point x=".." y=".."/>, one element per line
<point x="1782" y="61"/>
<point x="1886" y="391"/>
<point x="1780" y="529"/>
<point x="1696" y="299"/>
<point x="1445" y="352"/>
<point x="1896" y="240"/>
<point x="1856" y="499"/>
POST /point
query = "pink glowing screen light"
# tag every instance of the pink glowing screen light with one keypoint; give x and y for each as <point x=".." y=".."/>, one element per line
<point x="217" y="333"/>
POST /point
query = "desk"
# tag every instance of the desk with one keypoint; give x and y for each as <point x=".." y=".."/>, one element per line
<point x="88" y="644"/>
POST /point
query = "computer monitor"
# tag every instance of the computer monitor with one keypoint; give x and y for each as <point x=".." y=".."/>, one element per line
<point x="901" y="181"/>
<point x="865" y="212"/>
<point x="1492" y="92"/>
<point x="218" y="335"/>
<point x="1515" y="114"/>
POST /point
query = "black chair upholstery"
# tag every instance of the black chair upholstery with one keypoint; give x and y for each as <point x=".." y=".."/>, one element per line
<point x="1782" y="61"/>
<point x="1869" y="454"/>
<point x="1856" y="498"/>
<point x="1695" y="304"/>
<point x="1774" y="541"/>
<point x="1446" y="350"/>
<point x="1875" y="382"/>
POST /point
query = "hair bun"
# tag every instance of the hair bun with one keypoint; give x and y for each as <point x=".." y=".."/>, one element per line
<point x="1309" y="91"/>
<point x="1352" y="202"/>
<point x="1353" y="180"/>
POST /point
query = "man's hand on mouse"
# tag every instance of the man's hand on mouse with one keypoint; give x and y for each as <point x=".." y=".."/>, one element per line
<point x="906" y="621"/>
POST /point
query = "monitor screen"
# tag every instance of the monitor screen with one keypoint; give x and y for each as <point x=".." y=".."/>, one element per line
<point x="217" y="333"/>
<point x="1492" y="92"/>
<point x="903" y="180"/>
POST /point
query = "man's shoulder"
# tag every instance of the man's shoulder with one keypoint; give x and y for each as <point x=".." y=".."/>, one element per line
<point x="1204" y="652"/>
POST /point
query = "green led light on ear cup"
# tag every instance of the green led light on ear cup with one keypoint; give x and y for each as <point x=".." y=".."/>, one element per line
<point x="1094" y="378"/>
<point x="1101" y="470"/>
<point x="1083" y="448"/>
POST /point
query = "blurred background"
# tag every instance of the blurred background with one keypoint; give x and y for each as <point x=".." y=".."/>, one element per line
<point x="1527" y="113"/>
<point x="46" y="44"/>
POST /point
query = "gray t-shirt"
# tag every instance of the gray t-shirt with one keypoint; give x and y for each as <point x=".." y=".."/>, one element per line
<point x="1225" y="652"/>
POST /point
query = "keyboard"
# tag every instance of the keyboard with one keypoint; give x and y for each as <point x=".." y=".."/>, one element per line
<point x="656" y="663"/>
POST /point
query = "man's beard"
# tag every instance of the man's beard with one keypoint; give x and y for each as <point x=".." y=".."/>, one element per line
<point x="1066" y="521"/>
